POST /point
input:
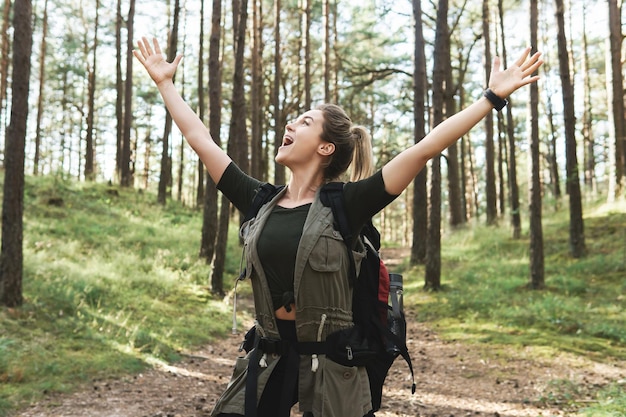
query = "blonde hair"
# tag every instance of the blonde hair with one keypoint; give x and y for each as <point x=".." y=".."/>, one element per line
<point x="353" y="145"/>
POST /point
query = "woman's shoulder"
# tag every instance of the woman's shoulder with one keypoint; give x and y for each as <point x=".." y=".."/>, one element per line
<point x="238" y="186"/>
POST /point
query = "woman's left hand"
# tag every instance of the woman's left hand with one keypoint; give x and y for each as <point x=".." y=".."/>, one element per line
<point x="505" y="82"/>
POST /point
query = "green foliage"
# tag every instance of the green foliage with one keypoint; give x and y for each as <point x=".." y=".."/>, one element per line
<point x="609" y="402"/>
<point x="112" y="282"/>
<point x="486" y="297"/>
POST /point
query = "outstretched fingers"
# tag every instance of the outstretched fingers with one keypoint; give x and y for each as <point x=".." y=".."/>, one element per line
<point x="532" y="64"/>
<point x="145" y="48"/>
<point x="522" y="58"/>
<point x="157" y="47"/>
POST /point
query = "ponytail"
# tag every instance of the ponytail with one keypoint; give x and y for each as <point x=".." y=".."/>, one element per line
<point x="353" y="145"/>
<point x="362" y="160"/>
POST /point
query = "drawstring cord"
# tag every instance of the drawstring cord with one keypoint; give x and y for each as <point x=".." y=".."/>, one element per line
<point x="241" y="277"/>
<point x="315" y="362"/>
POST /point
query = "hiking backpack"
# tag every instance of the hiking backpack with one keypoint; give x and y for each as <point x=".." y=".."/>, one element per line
<point x="382" y="328"/>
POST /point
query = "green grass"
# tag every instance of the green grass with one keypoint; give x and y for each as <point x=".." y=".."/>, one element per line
<point x="111" y="281"/>
<point x="486" y="299"/>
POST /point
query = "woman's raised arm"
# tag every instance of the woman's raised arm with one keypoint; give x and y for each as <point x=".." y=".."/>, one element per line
<point x="401" y="170"/>
<point x="195" y="132"/>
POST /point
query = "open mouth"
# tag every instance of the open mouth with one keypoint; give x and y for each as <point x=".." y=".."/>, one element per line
<point x="287" y="141"/>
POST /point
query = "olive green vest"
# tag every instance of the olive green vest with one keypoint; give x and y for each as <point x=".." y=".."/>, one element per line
<point x="323" y="297"/>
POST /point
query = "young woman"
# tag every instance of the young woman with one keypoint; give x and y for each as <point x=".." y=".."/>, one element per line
<point x="297" y="263"/>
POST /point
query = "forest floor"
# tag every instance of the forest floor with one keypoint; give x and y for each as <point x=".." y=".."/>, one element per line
<point x="453" y="379"/>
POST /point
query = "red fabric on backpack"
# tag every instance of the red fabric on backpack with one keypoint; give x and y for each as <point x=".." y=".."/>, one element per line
<point x="383" y="290"/>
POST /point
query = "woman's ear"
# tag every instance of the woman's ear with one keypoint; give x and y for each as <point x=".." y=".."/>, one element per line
<point x="327" y="148"/>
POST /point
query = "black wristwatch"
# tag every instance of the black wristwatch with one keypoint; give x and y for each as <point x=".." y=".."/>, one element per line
<point x="497" y="102"/>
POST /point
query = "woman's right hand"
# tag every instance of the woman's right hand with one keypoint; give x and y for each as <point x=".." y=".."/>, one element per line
<point x="153" y="61"/>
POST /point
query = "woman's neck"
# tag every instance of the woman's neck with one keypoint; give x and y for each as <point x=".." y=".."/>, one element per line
<point x="300" y="192"/>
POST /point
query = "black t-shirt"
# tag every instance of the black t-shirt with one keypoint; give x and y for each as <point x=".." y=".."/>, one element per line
<point x="279" y="239"/>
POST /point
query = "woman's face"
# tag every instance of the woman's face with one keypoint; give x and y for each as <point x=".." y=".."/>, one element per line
<point x="302" y="140"/>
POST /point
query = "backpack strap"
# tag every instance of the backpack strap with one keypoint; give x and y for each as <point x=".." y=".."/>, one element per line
<point x="331" y="196"/>
<point x="402" y="348"/>
<point x="264" y="194"/>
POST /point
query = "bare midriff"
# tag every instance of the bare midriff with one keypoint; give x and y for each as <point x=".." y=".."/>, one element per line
<point x="283" y="314"/>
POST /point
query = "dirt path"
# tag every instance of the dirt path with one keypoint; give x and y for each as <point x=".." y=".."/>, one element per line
<point x="453" y="380"/>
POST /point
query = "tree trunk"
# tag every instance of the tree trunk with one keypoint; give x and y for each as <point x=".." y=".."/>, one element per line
<point x="589" y="160"/>
<point x="127" y="170"/>
<point x="516" y="218"/>
<point x="147" y="155"/>
<point x="237" y="139"/>
<point x="420" y="195"/>
<point x="306" y="40"/>
<point x="501" y="162"/>
<point x="326" y="48"/>
<point x="490" y="175"/>
<point x="12" y="252"/>
<point x="238" y="134"/>
<point x="537" y="279"/>
<point x="577" y="235"/>
<point x="91" y="93"/>
<point x="256" y="93"/>
<point x="455" y="202"/>
<point x="165" y="178"/>
<point x="40" y="98"/>
<point x="279" y="128"/>
<point x="119" y="89"/>
<point x="66" y="128"/>
<point x="209" y="212"/>
<point x="617" y="117"/>
<point x="217" y="275"/>
<point x="440" y="66"/>
<point x="201" y="106"/>
<point x="553" y="165"/>
<point x="4" y="60"/>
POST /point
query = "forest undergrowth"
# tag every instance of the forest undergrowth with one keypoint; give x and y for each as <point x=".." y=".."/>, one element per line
<point x="113" y="287"/>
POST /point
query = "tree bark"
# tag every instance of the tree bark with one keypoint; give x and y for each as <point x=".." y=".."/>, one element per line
<point x="326" y="48"/>
<point x="589" y="161"/>
<point x="237" y="139"/>
<point x="306" y="40"/>
<point x="165" y="178"/>
<point x="442" y="56"/>
<point x="490" y="175"/>
<point x="516" y="218"/>
<point x="420" y="193"/>
<point x="279" y="129"/>
<point x="119" y="89"/>
<point x="238" y="133"/>
<point x="455" y="202"/>
<point x="4" y="60"/>
<point x="40" y="98"/>
<point x="537" y="279"/>
<point x="617" y="115"/>
<point x="576" y="235"/>
<point x="127" y="169"/>
<point x="201" y="104"/>
<point x="12" y="251"/>
<point x="256" y="93"/>
<point x="91" y="93"/>
<point x="209" y="212"/>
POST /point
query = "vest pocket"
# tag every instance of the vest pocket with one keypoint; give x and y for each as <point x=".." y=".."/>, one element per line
<point x="341" y="391"/>
<point x="233" y="399"/>
<point x="328" y="252"/>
